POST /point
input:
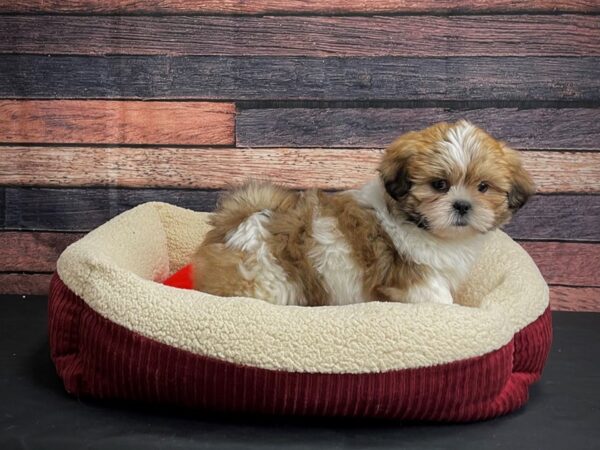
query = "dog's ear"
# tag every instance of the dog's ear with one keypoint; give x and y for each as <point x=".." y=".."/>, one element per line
<point x="394" y="170"/>
<point x="398" y="186"/>
<point x="522" y="186"/>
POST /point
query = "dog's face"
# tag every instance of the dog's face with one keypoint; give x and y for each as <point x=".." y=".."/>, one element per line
<point x="454" y="179"/>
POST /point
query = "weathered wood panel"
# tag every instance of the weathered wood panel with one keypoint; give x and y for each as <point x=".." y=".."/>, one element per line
<point x="562" y="263"/>
<point x="25" y="283"/>
<point x="113" y="122"/>
<point x="216" y="168"/>
<point x="293" y="6"/>
<point x="377" y="127"/>
<point x="567" y="263"/>
<point x="390" y="79"/>
<point x="572" y="35"/>
<point x="564" y="298"/>
<point x="545" y="217"/>
<point x="84" y="209"/>
<point x="566" y="172"/>
<point x="558" y="217"/>
<point x="32" y="252"/>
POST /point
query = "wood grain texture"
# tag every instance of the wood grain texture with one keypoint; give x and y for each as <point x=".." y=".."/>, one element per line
<point x="44" y="209"/>
<point x="113" y="122"/>
<point x="576" y="128"/>
<point x="561" y="298"/>
<point x="292" y="6"/>
<point x="567" y="263"/>
<point x="25" y="283"/>
<point x="526" y="80"/>
<point x="217" y="168"/>
<point x="564" y="298"/>
<point x="558" y="217"/>
<point x="545" y="217"/>
<point x="571" y="35"/>
<point x="33" y="252"/>
<point x="565" y="172"/>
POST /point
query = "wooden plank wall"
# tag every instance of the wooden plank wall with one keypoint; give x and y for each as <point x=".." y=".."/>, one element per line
<point x="108" y="104"/>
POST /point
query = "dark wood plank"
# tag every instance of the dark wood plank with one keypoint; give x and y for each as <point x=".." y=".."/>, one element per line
<point x="32" y="251"/>
<point x="293" y="6"/>
<point x="390" y="79"/>
<point x="113" y="122"/>
<point x="545" y="217"/>
<point x="564" y="298"/>
<point x="216" y="168"/>
<point x="84" y="209"/>
<point x="25" y="283"/>
<point x="567" y="263"/>
<point x="377" y="127"/>
<point x="558" y="217"/>
<point x="572" y="35"/>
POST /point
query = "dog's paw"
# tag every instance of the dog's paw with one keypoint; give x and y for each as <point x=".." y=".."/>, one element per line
<point x="418" y="294"/>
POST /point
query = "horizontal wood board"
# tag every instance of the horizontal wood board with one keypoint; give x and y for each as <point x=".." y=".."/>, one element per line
<point x="527" y="81"/>
<point x="545" y="217"/>
<point x="421" y="36"/>
<point x="565" y="128"/>
<point x="217" y="168"/>
<point x="565" y="298"/>
<point x="33" y="251"/>
<point x="294" y="6"/>
<point x="117" y="122"/>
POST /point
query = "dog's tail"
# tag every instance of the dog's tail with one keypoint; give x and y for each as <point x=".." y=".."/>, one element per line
<point x="217" y="266"/>
<point x="239" y="204"/>
<point x="255" y="196"/>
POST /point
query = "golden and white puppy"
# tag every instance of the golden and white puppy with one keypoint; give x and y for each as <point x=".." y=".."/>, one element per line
<point x="409" y="235"/>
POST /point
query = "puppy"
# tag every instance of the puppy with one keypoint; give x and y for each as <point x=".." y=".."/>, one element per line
<point x="409" y="235"/>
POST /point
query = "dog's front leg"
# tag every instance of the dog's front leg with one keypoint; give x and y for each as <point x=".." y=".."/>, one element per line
<point x="433" y="289"/>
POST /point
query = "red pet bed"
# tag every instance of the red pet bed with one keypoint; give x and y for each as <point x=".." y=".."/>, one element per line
<point x="117" y="332"/>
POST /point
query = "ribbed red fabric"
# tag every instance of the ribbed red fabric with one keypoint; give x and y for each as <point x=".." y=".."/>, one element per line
<point x="98" y="358"/>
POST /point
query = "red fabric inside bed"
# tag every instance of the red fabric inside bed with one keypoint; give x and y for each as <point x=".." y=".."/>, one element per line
<point x="181" y="279"/>
<point x="98" y="358"/>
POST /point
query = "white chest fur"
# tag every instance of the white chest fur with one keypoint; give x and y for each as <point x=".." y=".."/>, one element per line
<point x="449" y="261"/>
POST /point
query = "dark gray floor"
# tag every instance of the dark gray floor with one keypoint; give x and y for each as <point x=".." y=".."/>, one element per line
<point x="35" y="412"/>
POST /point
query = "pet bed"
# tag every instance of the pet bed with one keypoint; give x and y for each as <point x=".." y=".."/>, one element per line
<point x="117" y="332"/>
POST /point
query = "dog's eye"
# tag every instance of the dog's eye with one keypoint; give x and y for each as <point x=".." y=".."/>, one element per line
<point x="440" y="185"/>
<point x="483" y="186"/>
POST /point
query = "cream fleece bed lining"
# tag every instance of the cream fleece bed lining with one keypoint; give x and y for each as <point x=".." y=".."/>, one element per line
<point x="115" y="270"/>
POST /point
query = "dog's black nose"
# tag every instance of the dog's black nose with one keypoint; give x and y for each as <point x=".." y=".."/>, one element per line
<point x="462" y="207"/>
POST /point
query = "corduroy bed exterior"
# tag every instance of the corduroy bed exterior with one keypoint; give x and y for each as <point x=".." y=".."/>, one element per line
<point x="117" y="332"/>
